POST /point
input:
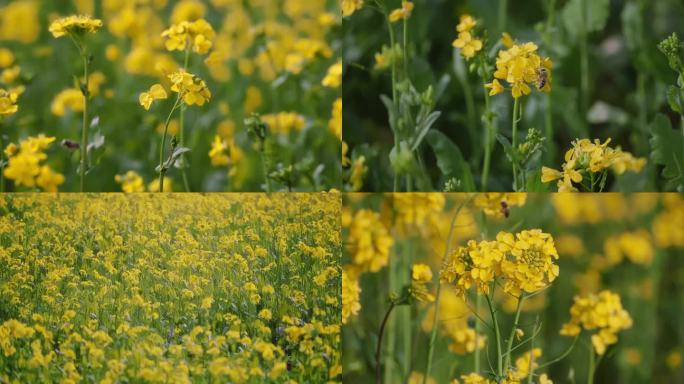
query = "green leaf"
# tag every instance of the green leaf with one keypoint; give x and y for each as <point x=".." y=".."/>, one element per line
<point x="668" y="150"/>
<point x="391" y="110"/>
<point x="675" y="97"/>
<point x="450" y="160"/>
<point x="597" y="12"/>
<point x="511" y="153"/>
<point x="424" y="128"/>
<point x="534" y="183"/>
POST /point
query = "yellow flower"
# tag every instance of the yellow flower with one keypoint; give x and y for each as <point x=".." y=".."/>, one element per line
<point x="350" y="297"/>
<point x="8" y="102"/>
<point x="284" y="122"/>
<point x="191" y="88"/>
<point x="467" y="44"/>
<point x="130" y="182"/>
<point x="20" y="20"/>
<point x="76" y="25"/>
<point x="507" y="40"/>
<point x="495" y="87"/>
<point x="70" y="98"/>
<point x="6" y="58"/>
<point x="550" y="174"/>
<point x="358" y="172"/>
<point x="48" y="179"/>
<point x="351" y="6"/>
<point x="520" y="66"/>
<point x="402" y="13"/>
<point x="197" y="35"/>
<point x="156" y="92"/>
<point x="466" y="23"/>
<point x="368" y="242"/>
<point x="217" y="153"/>
<point x="335" y="123"/>
<point x="333" y="79"/>
<point x="602" y="314"/>
<point x="153" y="186"/>
<point x="530" y="267"/>
<point x="421" y="274"/>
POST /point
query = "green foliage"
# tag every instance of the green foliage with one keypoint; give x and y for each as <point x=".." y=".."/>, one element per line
<point x="668" y="151"/>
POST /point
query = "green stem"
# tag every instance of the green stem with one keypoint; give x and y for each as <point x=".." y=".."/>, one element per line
<point x="391" y="326"/>
<point x="447" y="250"/>
<point x="378" y="350"/>
<point x="503" y="8"/>
<point x="395" y="99"/>
<point x="497" y="337"/>
<point x="163" y="144"/>
<point x="181" y="126"/>
<point x="488" y="140"/>
<point x="405" y="49"/>
<point x="592" y="366"/>
<point x="84" y="132"/>
<point x="511" y="336"/>
<point x="405" y="311"/>
<point x="584" y="66"/>
<point x="514" y="138"/>
<point x="531" y="367"/>
<point x="478" y="304"/>
<point x="264" y="165"/>
<point x="562" y="356"/>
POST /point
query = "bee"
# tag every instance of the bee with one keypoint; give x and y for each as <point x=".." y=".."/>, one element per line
<point x="505" y="209"/>
<point x="70" y="144"/>
<point x="542" y="77"/>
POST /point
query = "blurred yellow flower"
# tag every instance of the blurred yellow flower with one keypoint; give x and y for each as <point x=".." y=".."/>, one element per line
<point x="156" y="92"/>
<point x="351" y="6"/>
<point x="402" y="13"/>
<point x="130" y="182"/>
<point x="8" y="102"/>
<point x="75" y="24"/>
<point x="350" y="297"/>
<point x="334" y="77"/>
<point x="197" y="35"/>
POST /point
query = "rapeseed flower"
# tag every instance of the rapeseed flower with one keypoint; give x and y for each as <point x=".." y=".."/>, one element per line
<point x="521" y="67"/>
<point x="8" y="102"/>
<point x="402" y="13"/>
<point x="156" y="92"/>
<point x="350" y="6"/>
<point x="196" y="35"/>
<point x="350" y="297"/>
<point x="191" y="88"/>
<point x="601" y="314"/>
<point x="421" y="276"/>
<point x="75" y="25"/>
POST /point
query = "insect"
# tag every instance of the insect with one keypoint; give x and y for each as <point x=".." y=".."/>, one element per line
<point x="504" y="209"/>
<point x="542" y="77"/>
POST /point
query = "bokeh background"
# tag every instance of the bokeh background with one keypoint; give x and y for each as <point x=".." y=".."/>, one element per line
<point x="129" y="56"/>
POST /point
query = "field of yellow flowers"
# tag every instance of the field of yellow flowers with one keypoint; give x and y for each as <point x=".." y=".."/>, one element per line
<point x="170" y="95"/>
<point x="524" y="95"/>
<point x="527" y="288"/>
<point x="182" y="288"/>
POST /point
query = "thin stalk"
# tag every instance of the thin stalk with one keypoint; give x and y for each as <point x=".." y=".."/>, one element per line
<point x="548" y="114"/>
<point x="514" y="128"/>
<point x="488" y="140"/>
<point x="395" y="100"/>
<point x="478" y="304"/>
<point x="264" y="166"/>
<point x="391" y="326"/>
<point x="378" y="351"/>
<point x="84" y="132"/>
<point x="447" y="250"/>
<point x="163" y="143"/>
<point x="562" y="356"/>
<point x="530" y="369"/>
<point x="497" y="337"/>
<point x="470" y="110"/>
<point x="592" y="366"/>
<point x="512" y="334"/>
<point x="181" y="126"/>
<point x="503" y="8"/>
<point x="584" y="65"/>
<point x="405" y="49"/>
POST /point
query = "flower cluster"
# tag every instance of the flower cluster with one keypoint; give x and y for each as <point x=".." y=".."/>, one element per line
<point x="190" y="87"/>
<point x="8" y="102"/>
<point x="25" y="164"/>
<point x="350" y="297"/>
<point x="524" y="262"/>
<point x="368" y="241"/>
<point x="466" y="42"/>
<point x="132" y="182"/>
<point x="284" y="122"/>
<point x="421" y="276"/>
<point x="520" y="66"/>
<point x="74" y="25"/>
<point x="602" y="314"/>
<point x="588" y="158"/>
<point x="197" y="35"/>
<point x="351" y="6"/>
<point x="224" y="152"/>
<point x="402" y="13"/>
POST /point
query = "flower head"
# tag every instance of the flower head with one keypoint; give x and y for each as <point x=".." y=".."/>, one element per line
<point x="333" y="79"/>
<point x="351" y="6"/>
<point x="131" y="182"/>
<point x="8" y="102"/>
<point x="521" y="67"/>
<point x="421" y="275"/>
<point x="466" y="41"/>
<point x="197" y="35"/>
<point x="350" y="297"/>
<point x="191" y="88"/>
<point x="402" y="13"/>
<point x="25" y="168"/>
<point x="587" y="157"/>
<point x="75" y="25"/>
<point x="602" y="314"/>
<point x="156" y="92"/>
